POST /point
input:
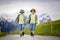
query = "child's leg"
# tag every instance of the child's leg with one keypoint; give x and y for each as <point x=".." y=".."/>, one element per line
<point x="22" y="29"/>
<point x="23" y="26"/>
<point x="32" y="28"/>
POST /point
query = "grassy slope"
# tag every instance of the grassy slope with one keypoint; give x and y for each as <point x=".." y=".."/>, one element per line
<point x="45" y="29"/>
<point x="2" y="34"/>
<point x="42" y="29"/>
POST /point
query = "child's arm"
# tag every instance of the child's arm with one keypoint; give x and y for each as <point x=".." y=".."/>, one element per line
<point x="29" y="18"/>
<point x="17" y="19"/>
<point x="36" y="19"/>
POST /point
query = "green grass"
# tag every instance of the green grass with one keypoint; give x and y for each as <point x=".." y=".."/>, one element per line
<point x="2" y="34"/>
<point x="42" y="29"/>
<point x="45" y="29"/>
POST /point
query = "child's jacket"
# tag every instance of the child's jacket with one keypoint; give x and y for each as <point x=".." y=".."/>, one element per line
<point x="33" y="18"/>
<point x="20" y="19"/>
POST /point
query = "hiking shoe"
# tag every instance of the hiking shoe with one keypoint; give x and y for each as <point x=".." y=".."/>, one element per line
<point x="32" y="34"/>
<point x="23" y="33"/>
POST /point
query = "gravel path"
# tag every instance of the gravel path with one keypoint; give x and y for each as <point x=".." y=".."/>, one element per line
<point x="28" y="37"/>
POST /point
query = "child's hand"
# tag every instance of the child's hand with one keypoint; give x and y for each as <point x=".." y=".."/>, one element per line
<point x="36" y="22"/>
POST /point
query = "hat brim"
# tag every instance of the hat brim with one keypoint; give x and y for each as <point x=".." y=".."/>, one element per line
<point x="21" y="12"/>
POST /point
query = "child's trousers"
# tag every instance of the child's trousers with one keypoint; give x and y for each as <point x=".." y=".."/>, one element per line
<point x="21" y="26"/>
<point x="32" y="27"/>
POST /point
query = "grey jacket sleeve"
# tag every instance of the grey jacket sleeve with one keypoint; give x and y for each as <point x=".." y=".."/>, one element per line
<point x="29" y="18"/>
<point x="17" y="19"/>
<point x="36" y="18"/>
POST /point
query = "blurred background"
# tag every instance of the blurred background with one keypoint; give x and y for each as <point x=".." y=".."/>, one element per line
<point x="48" y="12"/>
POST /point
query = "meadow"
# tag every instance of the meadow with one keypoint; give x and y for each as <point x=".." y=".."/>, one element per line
<point x="46" y="29"/>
